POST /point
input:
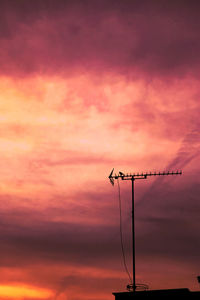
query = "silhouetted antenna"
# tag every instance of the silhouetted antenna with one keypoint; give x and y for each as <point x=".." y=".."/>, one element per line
<point x="133" y="177"/>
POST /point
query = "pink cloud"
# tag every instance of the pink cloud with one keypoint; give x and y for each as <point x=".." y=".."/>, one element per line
<point x="130" y="38"/>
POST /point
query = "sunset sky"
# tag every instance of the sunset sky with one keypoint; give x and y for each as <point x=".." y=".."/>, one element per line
<point x="87" y="86"/>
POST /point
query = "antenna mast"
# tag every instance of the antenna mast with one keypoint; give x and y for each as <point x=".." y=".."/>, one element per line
<point x="133" y="177"/>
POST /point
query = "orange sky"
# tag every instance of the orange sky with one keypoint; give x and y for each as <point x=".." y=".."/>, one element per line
<point x="83" y="90"/>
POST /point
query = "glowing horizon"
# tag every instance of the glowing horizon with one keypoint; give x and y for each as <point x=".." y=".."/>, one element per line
<point x="25" y="292"/>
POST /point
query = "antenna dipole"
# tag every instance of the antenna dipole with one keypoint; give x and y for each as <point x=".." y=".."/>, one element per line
<point x="133" y="177"/>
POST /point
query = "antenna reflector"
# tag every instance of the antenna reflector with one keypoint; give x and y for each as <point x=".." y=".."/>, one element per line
<point x="111" y="173"/>
<point x="111" y="177"/>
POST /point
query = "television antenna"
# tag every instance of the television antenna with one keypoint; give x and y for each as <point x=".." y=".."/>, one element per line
<point x="133" y="177"/>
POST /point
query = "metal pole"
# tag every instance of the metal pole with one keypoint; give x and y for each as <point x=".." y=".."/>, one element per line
<point x="133" y="234"/>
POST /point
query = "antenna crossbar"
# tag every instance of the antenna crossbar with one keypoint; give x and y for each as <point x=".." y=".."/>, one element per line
<point x="134" y="176"/>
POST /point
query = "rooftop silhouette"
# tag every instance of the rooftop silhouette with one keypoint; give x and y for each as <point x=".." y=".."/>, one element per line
<point x="161" y="293"/>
